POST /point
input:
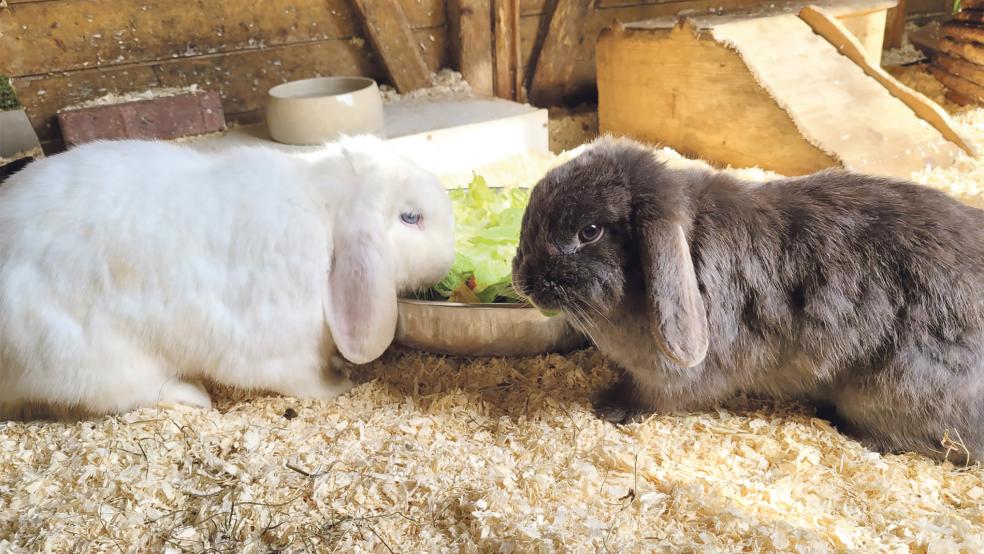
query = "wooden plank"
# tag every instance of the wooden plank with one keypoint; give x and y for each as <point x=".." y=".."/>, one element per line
<point x="969" y="51"/>
<point x="532" y="7"/>
<point x="64" y="35"/>
<point x="470" y="35"/>
<point x="970" y="16"/>
<point x="838" y="35"/>
<point x="555" y="61"/>
<point x="390" y="33"/>
<point x="895" y="25"/>
<point x="957" y="98"/>
<point x="507" y="68"/>
<point x="242" y="78"/>
<point x="962" y="31"/>
<point x="966" y="70"/>
<point x="962" y="87"/>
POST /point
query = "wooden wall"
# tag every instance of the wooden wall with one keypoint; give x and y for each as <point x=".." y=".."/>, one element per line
<point x="61" y="52"/>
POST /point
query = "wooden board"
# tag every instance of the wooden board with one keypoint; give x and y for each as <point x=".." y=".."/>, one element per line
<point x="727" y="95"/>
<point x="555" y="62"/>
<point x="710" y="106"/>
<point x="470" y="36"/>
<point x="241" y="78"/>
<point x="962" y="87"/>
<point x="390" y="34"/>
<point x="969" y="51"/>
<point x="869" y="30"/>
<point x="837" y="34"/>
<point x="963" y="32"/>
<point x="972" y="16"/>
<point x="63" y="35"/>
<point x="855" y="119"/>
<point x="507" y="68"/>
<point x="965" y="70"/>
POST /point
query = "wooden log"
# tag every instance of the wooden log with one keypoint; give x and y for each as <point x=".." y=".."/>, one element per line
<point x="972" y="5"/>
<point x="969" y="51"/>
<point x="507" y="73"/>
<point x="895" y="25"/>
<point x="834" y="31"/>
<point x="64" y="35"/>
<point x="970" y="16"/>
<point x="959" y="85"/>
<point x="964" y="69"/>
<point x="555" y="62"/>
<point x="470" y="35"/>
<point x="962" y="31"/>
<point x="391" y="36"/>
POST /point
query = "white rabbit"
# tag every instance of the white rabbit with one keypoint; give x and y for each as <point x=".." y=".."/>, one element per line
<point x="132" y="270"/>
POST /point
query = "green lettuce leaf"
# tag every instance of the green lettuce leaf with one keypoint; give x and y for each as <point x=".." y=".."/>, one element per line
<point x="486" y="237"/>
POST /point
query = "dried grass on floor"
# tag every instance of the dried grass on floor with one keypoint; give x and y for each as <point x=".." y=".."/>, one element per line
<point x="434" y="454"/>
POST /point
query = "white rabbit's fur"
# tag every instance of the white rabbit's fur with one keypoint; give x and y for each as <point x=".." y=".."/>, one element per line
<point x="131" y="270"/>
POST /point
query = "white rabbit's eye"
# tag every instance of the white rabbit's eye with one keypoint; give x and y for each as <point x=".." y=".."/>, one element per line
<point x="410" y="218"/>
<point x="590" y="233"/>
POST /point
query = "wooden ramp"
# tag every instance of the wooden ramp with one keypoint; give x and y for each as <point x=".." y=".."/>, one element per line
<point x="792" y="93"/>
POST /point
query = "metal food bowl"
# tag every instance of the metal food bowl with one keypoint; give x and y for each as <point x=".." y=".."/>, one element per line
<point x="483" y="329"/>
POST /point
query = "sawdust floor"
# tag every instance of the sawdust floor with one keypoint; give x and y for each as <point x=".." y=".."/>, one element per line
<point x="435" y="454"/>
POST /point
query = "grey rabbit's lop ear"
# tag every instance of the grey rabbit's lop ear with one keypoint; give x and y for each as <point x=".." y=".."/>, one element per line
<point x="360" y="306"/>
<point x="676" y="309"/>
<point x="679" y="321"/>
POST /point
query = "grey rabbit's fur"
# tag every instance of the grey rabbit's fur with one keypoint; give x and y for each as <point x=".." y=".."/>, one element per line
<point x="856" y="292"/>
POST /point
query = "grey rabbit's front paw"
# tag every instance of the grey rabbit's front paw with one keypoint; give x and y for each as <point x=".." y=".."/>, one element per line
<point x="619" y="404"/>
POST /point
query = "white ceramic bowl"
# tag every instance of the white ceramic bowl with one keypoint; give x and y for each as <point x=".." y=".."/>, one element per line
<point x="314" y="111"/>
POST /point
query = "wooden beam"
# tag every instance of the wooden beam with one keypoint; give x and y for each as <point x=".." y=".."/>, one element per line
<point x="389" y="31"/>
<point x="471" y="42"/>
<point x="555" y="64"/>
<point x="507" y="72"/>
<point x="895" y="25"/>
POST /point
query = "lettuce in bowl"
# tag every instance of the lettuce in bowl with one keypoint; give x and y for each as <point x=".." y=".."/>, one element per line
<point x="487" y="224"/>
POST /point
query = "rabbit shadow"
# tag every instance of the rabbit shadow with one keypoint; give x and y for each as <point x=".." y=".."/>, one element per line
<point x="513" y="387"/>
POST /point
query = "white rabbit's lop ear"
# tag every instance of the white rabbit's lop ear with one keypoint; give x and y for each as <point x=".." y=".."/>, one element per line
<point x="361" y="302"/>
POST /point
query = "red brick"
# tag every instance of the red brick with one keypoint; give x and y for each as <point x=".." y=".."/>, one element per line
<point x="167" y="117"/>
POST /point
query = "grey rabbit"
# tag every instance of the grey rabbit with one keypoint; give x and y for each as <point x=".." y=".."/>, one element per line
<point x="857" y="293"/>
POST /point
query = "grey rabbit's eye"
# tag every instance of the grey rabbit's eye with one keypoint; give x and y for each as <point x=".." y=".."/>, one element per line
<point x="410" y="218"/>
<point x="590" y="233"/>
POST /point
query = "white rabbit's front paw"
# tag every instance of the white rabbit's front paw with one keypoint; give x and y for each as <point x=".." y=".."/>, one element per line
<point x="184" y="393"/>
<point x="324" y="387"/>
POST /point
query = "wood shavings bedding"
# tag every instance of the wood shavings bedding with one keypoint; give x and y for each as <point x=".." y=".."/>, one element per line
<point x="433" y="454"/>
